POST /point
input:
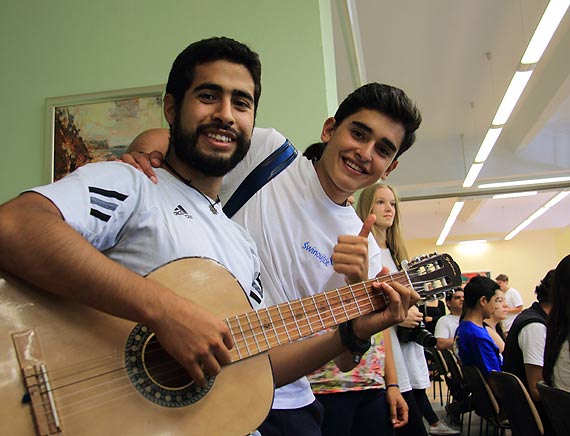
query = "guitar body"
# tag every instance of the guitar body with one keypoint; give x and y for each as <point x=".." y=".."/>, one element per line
<point x="83" y="353"/>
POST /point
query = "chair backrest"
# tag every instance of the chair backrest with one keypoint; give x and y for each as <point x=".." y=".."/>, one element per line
<point x="452" y="365"/>
<point x="484" y="403"/>
<point x="515" y="401"/>
<point x="556" y="402"/>
<point x="440" y="361"/>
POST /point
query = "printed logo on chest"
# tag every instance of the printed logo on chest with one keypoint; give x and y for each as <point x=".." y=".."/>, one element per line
<point x="323" y="258"/>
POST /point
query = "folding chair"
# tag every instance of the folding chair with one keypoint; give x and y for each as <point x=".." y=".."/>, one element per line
<point x="456" y="385"/>
<point x="556" y="403"/>
<point x="516" y="403"/>
<point x="483" y="401"/>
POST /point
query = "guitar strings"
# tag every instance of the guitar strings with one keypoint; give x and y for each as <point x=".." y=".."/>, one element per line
<point x="248" y="333"/>
<point x="255" y="325"/>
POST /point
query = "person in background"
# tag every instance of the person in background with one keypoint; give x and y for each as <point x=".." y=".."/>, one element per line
<point x="493" y="323"/>
<point x="297" y="217"/>
<point x="411" y="367"/>
<point x="474" y="345"/>
<point x="447" y="325"/>
<point x="513" y="299"/>
<point x="524" y="348"/>
<point x="433" y="310"/>
<point x="556" y="369"/>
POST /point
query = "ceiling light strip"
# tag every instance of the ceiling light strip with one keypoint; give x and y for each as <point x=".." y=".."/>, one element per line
<point x="545" y="30"/>
<point x="450" y="221"/>
<point x="524" y="182"/>
<point x="539" y="212"/>
<point x="472" y="174"/>
<point x="514" y="195"/>
<point x="512" y="96"/>
<point x="488" y="144"/>
<point x="543" y="33"/>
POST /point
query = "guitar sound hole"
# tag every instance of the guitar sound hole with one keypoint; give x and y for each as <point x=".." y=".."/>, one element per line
<point x="161" y="368"/>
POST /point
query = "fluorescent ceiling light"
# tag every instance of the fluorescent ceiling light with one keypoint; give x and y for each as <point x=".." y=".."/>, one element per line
<point x="514" y="195"/>
<point x="474" y="241"/>
<point x="472" y="175"/>
<point x="522" y="182"/>
<point x="546" y="27"/>
<point x="488" y="144"/>
<point x="514" y="91"/>
<point x="557" y="198"/>
<point x="450" y="221"/>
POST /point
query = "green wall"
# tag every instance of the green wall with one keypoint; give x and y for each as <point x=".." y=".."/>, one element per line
<point x="65" y="47"/>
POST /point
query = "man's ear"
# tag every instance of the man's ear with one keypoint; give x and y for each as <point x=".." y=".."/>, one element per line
<point x="328" y="129"/>
<point x="390" y="168"/>
<point x="169" y="109"/>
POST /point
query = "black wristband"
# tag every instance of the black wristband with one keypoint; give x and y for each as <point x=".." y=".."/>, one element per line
<point x="356" y="346"/>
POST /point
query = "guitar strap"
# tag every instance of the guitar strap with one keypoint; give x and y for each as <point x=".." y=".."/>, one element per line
<point x="261" y="174"/>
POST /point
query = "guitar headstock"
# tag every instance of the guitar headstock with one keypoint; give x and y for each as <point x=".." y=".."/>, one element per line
<point x="433" y="275"/>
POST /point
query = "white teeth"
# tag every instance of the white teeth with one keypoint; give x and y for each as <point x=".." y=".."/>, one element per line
<point x="219" y="137"/>
<point x="353" y="166"/>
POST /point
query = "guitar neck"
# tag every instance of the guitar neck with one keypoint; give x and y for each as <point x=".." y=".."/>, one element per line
<point x="258" y="331"/>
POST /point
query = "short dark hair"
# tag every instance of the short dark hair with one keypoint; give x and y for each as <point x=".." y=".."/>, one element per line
<point x="449" y="295"/>
<point x="210" y="50"/>
<point x="502" y="278"/>
<point x="543" y="290"/>
<point x="389" y="101"/>
<point x="477" y="287"/>
<point x="314" y="151"/>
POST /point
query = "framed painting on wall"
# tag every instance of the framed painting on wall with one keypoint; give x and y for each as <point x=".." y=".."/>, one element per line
<point x="466" y="276"/>
<point x="97" y="127"/>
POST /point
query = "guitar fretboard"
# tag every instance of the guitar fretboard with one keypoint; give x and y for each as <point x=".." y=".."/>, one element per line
<point x="258" y="331"/>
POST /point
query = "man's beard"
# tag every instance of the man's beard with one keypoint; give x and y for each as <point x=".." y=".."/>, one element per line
<point x="185" y="146"/>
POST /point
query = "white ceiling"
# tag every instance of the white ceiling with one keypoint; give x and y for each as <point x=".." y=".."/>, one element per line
<point x="455" y="59"/>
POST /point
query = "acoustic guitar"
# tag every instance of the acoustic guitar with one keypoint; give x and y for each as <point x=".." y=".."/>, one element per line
<point x="67" y="369"/>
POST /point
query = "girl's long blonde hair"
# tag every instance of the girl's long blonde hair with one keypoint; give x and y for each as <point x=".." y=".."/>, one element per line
<point x="394" y="237"/>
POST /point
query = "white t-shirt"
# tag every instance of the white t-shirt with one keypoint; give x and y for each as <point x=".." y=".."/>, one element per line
<point x="561" y="370"/>
<point x="513" y="299"/>
<point x="144" y="226"/>
<point x="532" y="339"/>
<point x="295" y="226"/>
<point x="446" y="326"/>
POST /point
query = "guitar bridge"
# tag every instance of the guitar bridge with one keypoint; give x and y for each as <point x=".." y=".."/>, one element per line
<point x="39" y="393"/>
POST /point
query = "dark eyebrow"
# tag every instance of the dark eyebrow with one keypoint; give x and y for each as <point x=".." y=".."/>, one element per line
<point x="384" y="141"/>
<point x="218" y="88"/>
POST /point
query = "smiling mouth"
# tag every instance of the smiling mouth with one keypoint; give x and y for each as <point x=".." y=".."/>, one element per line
<point x="354" y="167"/>
<point x="219" y="137"/>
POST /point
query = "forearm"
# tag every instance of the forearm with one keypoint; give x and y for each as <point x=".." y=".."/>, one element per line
<point x="40" y="247"/>
<point x="533" y="375"/>
<point x="297" y="359"/>
<point x="444" y="343"/>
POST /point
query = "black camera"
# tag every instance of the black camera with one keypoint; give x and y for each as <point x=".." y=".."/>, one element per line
<point x="419" y="334"/>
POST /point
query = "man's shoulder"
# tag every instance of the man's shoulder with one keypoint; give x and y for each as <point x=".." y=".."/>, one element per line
<point x="266" y="137"/>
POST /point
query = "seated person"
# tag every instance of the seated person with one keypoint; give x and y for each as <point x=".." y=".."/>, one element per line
<point x="447" y="325"/>
<point x="474" y="344"/>
<point x="524" y="350"/>
<point x="494" y="324"/>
